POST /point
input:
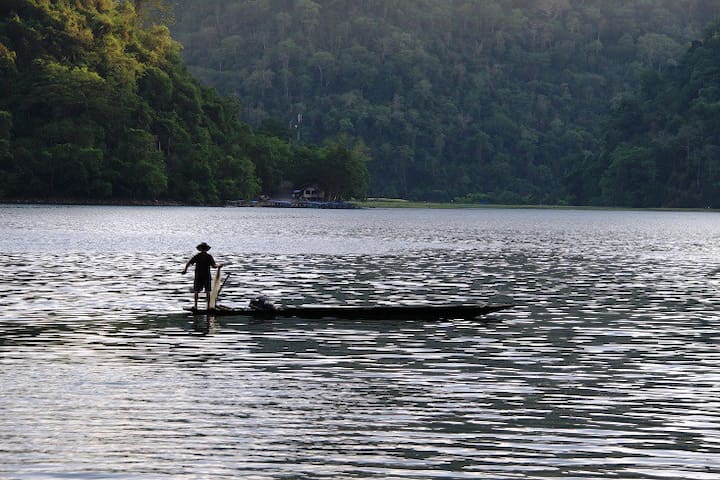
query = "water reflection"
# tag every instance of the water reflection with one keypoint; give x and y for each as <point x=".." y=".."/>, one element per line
<point x="205" y="324"/>
<point x="609" y="369"/>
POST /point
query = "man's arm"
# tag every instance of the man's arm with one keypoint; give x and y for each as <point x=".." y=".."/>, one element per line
<point x="187" y="265"/>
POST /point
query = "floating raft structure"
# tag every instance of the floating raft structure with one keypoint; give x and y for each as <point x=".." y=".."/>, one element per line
<point x="263" y="310"/>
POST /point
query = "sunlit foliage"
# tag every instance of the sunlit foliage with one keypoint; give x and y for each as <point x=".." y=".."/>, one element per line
<point x="97" y="104"/>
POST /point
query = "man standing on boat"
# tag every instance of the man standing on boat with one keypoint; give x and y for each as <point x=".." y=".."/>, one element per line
<point x="203" y="261"/>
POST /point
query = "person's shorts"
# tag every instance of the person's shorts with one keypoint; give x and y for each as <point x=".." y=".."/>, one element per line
<point x="202" y="283"/>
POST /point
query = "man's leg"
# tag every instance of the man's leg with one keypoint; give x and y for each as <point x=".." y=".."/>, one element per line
<point x="208" y="289"/>
<point x="196" y="300"/>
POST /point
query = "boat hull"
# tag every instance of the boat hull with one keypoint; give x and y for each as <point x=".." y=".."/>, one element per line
<point x="400" y="312"/>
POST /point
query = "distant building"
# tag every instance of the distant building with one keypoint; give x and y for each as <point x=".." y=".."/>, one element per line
<point x="309" y="193"/>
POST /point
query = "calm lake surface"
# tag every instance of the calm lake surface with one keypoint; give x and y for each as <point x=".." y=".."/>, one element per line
<point x="609" y="366"/>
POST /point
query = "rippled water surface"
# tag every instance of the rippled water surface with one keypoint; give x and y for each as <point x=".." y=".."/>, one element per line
<point x="609" y="366"/>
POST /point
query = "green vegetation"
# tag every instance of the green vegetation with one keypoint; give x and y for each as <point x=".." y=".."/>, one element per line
<point x="499" y="101"/>
<point x="555" y="102"/>
<point x="97" y="104"/>
<point x="663" y="145"/>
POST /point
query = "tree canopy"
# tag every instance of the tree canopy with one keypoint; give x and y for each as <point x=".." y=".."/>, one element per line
<point x="97" y="104"/>
<point x="498" y="101"/>
<point x="662" y="146"/>
<point x="503" y="101"/>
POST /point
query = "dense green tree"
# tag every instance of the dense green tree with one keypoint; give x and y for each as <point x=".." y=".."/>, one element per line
<point x="508" y="101"/>
<point x="495" y="100"/>
<point x="662" y="146"/>
<point x="339" y="168"/>
<point x="96" y="103"/>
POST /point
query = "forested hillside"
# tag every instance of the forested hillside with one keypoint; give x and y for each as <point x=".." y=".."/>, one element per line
<point x="96" y="104"/>
<point x="502" y="101"/>
<point x="663" y="145"/>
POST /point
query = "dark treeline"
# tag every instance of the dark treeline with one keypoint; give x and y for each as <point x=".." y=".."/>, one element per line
<point x="662" y="145"/>
<point x="96" y="103"/>
<point x="504" y="101"/>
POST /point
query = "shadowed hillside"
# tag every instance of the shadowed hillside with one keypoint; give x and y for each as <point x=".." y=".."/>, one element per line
<point x="496" y="101"/>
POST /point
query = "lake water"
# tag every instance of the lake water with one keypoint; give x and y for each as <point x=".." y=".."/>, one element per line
<point x="609" y="366"/>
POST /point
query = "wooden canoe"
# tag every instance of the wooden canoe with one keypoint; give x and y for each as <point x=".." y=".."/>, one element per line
<point x="379" y="312"/>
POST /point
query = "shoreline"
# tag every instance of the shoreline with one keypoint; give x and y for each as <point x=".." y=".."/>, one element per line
<point x="365" y="204"/>
<point x="99" y="203"/>
<point x="477" y="206"/>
